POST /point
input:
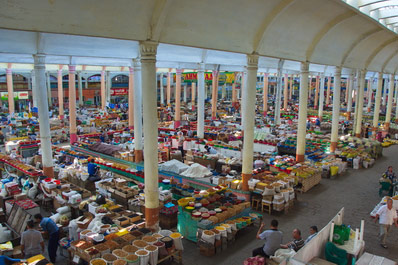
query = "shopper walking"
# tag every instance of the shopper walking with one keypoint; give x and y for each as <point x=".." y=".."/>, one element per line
<point x="32" y="243"/>
<point x="387" y="216"/>
<point x="272" y="237"/>
<point x="48" y="225"/>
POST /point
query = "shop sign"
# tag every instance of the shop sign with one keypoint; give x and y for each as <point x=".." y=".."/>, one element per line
<point x="4" y="95"/>
<point x="119" y="91"/>
<point x="224" y="77"/>
<point x="23" y="95"/>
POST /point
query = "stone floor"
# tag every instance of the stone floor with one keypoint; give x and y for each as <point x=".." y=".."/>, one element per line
<point x="356" y="190"/>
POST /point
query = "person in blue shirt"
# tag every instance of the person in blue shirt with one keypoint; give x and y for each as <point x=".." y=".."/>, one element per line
<point x="48" y="225"/>
<point x="4" y="258"/>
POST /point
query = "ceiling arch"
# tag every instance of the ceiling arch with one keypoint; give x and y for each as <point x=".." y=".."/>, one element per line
<point x="378" y="49"/>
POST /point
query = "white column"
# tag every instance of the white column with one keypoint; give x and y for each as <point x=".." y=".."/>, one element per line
<point x="389" y="103"/>
<point x="396" y="101"/>
<point x="193" y="95"/>
<point x="80" y="88"/>
<point x="34" y="88"/>
<point x="223" y="91"/>
<point x="370" y="93"/>
<point x="169" y="87"/>
<point x="385" y="92"/>
<point x="201" y="101"/>
<point x="243" y="99"/>
<point x="278" y="93"/>
<point x="45" y="135"/>
<point x="336" y="110"/>
<point x="321" y="96"/>
<point x="376" y="112"/>
<point x="161" y="89"/>
<point x="185" y="93"/>
<point x="328" y="91"/>
<point x="265" y="94"/>
<point x="131" y="98"/>
<point x="302" y="116"/>
<point x="149" y="91"/>
<point x="360" y="103"/>
<point x="42" y="104"/>
<point x="248" y="140"/>
<point x="48" y="83"/>
<point x="60" y="93"/>
<point x="108" y="86"/>
<point x="138" y="111"/>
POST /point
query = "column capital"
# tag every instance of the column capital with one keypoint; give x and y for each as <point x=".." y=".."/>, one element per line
<point x="72" y="69"/>
<point x="337" y="71"/>
<point x="304" y="67"/>
<point x="148" y="50"/>
<point x="201" y="67"/>
<point x="39" y="61"/>
<point x="137" y="64"/>
<point x="179" y="71"/>
<point x="252" y="61"/>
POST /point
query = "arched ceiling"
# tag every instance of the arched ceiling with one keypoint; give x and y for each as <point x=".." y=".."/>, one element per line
<point x="99" y="32"/>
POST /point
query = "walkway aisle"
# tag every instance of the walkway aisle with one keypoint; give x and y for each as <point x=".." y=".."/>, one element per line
<point x="356" y="190"/>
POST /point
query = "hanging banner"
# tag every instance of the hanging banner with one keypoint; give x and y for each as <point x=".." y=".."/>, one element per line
<point x="119" y="91"/>
<point x="223" y="77"/>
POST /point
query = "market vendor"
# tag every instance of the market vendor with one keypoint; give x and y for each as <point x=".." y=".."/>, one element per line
<point x="390" y="174"/>
<point x="272" y="237"/>
<point x="210" y="150"/>
<point x="49" y="226"/>
<point x="92" y="168"/>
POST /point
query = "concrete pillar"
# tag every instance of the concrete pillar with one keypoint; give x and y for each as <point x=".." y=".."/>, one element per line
<point x="108" y="86"/>
<point x="223" y="91"/>
<point x="278" y="93"/>
<point x="389" y="103"/>
<point x="131" y="98"/>
<point x="265" y="94"/>
<point x="396" y="102"/>
<point x="361" y="91"/>
<point x="45" y="134"/>
<point x="214" y="95"/>
<point x="309" y="86"/>
<point x="201" y="101"/>
<point x="234" y="90"/>
<point x="72" y="104"/>
<point x="137" y="103"/>
<point x="349" y="100"/>
<point x="34" y="88"/>
<point x="10" y="90"/>
<point x="285" y="92"/>
<point x="336" y="110"/>
<point x="321" y="96"/>
<point x="169" y="87"/>
<point x="48" y="85"/>
<point x="103" y="93"/>
<point x="193" y="95"/>
<point x="376" y="112"/>
<point x="328" y="91"/>
<point x="177" y="116"/>
<point x="162" y="101"/>
<point x="356" y="100"/>
<point x="302" y="116"/>
<point x="368" y="94"/>
<point x="80" y="88"/>
<point x="242" y="95"/>
<point x="385" y="92"/>
<point x="185" y="93"/>
<point x="60" y="94"/>
<point x="248" y="140"/>
<point x="291" y="87"/>
<point x="87" y="81"/>
<point x="316" y="92"/>
<point x="148" y="61"/>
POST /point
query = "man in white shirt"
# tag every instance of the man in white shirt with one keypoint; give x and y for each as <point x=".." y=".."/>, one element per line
<point x="387" y="216"/>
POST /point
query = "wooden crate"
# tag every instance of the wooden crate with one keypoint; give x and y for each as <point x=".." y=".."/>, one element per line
<point x="310" y="182"/>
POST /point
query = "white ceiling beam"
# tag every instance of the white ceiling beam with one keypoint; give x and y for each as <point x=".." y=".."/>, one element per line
<point x="158" y="19"/>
